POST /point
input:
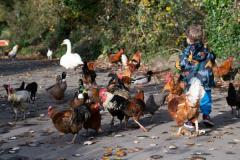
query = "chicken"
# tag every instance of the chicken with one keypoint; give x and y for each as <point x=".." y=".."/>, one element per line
<point x="18" y="99"/>
<point x="115" y="58"/>
<point x="230" y="76"/>
<point x="185" y="107"/>
<point x="220" y="71"/>
<point x="94" y="122"/>
<point x="13" y="53"/>
<point x="120" y="106"/>
<point x="233" y="98"/>
<point x="89" y="75"/>
<point x="172" y="86"/>
<point x="152" y="105"/>
<point x="20" y="88"/>
<point x="136" y="59"/>
<point x="65" y="121"/>
<point x="114" y="104"/>
<point x="32" y="88"/>
<point x="135" y="109"/>
<point x="57" y="90"/>
<point x="49" y="54"/>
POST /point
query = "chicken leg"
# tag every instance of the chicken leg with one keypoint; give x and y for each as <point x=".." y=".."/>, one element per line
<point x="73" y="140"/>
<point x="141" y="126"/>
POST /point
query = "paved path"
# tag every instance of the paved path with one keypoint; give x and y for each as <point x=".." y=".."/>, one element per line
<point x="37" y="139"/>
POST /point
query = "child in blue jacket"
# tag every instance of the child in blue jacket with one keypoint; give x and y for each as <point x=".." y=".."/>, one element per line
<point x="193" y="62"/>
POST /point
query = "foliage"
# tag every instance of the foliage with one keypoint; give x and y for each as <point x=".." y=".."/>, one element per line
<point x="154" y="27"/>
<point x="223" y="27"/>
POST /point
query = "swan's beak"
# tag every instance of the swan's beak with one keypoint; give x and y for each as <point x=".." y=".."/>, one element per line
<point x="62" y="44"/>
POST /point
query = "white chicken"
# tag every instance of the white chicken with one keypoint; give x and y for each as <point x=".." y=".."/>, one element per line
<point x="124" y="61"/>
<point x="49" y="54"/>
<point x="13" y="53"/>
<point x="19" y="100"/>
<point x="70" y="60"/>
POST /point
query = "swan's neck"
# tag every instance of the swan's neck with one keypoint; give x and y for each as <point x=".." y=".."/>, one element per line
<point x="69" y="48"/>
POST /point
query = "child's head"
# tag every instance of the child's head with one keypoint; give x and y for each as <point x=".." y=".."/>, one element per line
<point x="194" y="34"/>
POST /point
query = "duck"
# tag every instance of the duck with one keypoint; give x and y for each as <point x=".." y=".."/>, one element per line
<point x="70" y="60"/>
<point x="142" y="79"/>
<point x="49" y="54"/>
<point x="58" y="89"/>
<point x="80" y="97"/>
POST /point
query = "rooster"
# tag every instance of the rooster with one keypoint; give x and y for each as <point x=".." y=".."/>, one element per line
<point x="136" y="60"/>
<point x="224" y="69"/>
<point x="120" y="106"/>
<point x="114" y="104"/>
<point x="89" y="75"/>
<point x="185" y="107"/>
<point x="115" y="58"/>
<point x="233" y="98"/>
<point x="18" y="99"/>
<point x="20" y="88"/>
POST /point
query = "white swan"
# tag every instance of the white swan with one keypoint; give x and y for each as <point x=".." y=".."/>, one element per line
<point x="70" y="60"/>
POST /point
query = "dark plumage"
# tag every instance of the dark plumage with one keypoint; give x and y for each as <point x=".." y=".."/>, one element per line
<point x="231" y="74"/>
<point x="32" y="88"/>
<point x="115" y="83"/>
<point x="152" y="105"/>
<point x="89" y="75"/>
<point x="233" y="98"/>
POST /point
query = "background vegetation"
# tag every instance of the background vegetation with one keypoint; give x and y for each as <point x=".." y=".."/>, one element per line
<point x="155" y="27"/>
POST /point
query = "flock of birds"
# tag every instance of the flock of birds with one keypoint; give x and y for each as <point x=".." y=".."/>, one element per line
<point x="117" y="97"/>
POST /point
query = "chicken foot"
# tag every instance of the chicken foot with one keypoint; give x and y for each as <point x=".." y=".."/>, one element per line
<point x="141" y="126"/>
<point x="73" y="140"/>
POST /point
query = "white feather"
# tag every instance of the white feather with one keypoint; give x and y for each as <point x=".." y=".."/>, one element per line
<point x="19" y="96"/>
<point x="49" y="54"/>
<point x="124" y="60"/>
<point x="195" y="92"/>
<point x="70" y="60"/>
<point x="13" y="52"/>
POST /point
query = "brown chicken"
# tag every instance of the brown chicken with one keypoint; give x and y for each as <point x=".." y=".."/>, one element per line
<point x="172" y="86"/>
<point x="64" y="122"/>
<point x="135" y="109"/>
<point x="115" y="58"/>
<point x="185" y="107"/>
<point x="88" y="74"/>
<point x="73" y="120"/>
<point x="136" y="59"/>
<point x="94" y="122"/>
<point x="223" y="69"/>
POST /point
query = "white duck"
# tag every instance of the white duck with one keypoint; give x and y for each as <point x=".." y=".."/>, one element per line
<point x="70" y="60"/>
<point x="13" y="52"/>
<point x="49" y="54"/>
